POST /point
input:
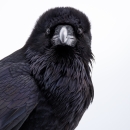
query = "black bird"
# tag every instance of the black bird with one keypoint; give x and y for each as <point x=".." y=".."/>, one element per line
<point x="46" y="85"/>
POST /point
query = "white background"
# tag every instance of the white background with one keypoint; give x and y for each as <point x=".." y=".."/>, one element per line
<point x="110" y="21"/>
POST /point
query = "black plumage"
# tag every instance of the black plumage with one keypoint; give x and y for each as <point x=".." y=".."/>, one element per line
<point x="46" y="85"/>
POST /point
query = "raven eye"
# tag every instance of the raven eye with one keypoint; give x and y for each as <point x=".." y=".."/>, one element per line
<point x="48" y="31"/>
<point x="80" y="31"/>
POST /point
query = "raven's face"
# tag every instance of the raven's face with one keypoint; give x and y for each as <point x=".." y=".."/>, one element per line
<point x="64" y="32"/>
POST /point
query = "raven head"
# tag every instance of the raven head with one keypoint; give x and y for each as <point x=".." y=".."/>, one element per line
<point x="64" y="32"/>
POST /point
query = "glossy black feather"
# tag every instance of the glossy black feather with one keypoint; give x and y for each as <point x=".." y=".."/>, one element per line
<point x="16" y="88"/>
<point x="48" y="87"/>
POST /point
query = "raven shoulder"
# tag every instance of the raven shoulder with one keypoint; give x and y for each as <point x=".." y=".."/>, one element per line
<point x="18" y="94"/>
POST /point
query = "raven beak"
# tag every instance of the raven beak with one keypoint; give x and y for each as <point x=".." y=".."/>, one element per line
<point x="63" y="35"/>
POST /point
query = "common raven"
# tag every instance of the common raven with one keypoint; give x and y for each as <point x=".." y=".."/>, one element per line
<point x="46" y="85"/>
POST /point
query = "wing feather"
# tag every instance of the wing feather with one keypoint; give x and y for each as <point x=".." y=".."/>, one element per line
<point x="18" y="95"/>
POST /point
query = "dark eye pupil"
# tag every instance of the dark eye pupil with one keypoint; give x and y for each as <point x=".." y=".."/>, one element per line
<point x="79" y="31"/>
<point x="48" y="31"/>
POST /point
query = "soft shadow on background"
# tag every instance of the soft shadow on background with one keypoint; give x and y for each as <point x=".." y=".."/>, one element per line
<point x="110" y="22"/>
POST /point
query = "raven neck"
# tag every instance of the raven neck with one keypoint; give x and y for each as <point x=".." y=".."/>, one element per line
<point x="65" y="85"/>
